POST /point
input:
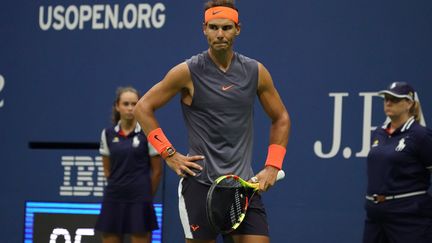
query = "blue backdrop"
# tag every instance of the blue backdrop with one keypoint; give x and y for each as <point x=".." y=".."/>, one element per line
<point x="60" y="63"/>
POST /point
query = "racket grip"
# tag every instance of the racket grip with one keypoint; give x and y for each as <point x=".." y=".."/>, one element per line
<point x="280" y="176"/>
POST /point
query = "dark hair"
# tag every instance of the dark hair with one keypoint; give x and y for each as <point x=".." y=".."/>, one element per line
<point x="115" y="115"/>
<point x="216" y="3"/>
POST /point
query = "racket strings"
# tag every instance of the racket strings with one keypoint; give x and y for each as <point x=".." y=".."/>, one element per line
<point x="228" y="204"/>
<point x="236" y="207"/>
<point x="228" y="200"/>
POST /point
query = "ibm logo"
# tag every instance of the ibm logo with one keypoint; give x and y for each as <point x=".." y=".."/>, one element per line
<point x="83" y="176"/>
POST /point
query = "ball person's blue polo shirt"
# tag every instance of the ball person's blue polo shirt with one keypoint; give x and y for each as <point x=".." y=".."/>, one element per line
<point x="401" y="162"/>
<point x="129" y="155"/>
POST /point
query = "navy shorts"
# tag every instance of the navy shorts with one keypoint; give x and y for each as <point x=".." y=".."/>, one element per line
<point x="192" y="208"/>
<point x="403" y="220"/>
<point x="126" y="218"/>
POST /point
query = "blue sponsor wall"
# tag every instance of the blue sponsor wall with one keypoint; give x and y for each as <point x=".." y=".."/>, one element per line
<point x="61" y="61"/>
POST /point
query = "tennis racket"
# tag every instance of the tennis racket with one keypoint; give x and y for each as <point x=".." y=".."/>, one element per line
<point x="228" y="200"/>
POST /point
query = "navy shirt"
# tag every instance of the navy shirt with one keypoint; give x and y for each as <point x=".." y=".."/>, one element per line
<point x="400" y="162"/>
<point x="129" y="179"/>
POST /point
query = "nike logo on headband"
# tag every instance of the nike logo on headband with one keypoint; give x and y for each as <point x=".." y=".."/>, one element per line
<point x="216" y="12"/>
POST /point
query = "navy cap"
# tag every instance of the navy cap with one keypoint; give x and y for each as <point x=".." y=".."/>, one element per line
<point x="399" y="90"/>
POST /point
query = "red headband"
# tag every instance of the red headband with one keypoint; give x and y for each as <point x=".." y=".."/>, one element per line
<point x="221" y="12"/>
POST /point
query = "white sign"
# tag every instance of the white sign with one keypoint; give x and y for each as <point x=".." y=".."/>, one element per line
<point x="2" y="83"/>
<point x="337" y="128"/>
<point x="102" y="16"/>
<point x="64" y="233"/>
<point x="82" y="176"/>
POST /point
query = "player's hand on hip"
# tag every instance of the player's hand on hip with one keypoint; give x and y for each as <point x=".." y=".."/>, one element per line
<point x="184" y="165"/>
<point x="267" y="177"/>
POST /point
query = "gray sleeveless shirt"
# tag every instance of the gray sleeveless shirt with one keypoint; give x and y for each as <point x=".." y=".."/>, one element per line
<point x="220" y="119"/>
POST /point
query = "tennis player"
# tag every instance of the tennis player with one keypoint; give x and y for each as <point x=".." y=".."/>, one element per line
<point x="218" y="88"/>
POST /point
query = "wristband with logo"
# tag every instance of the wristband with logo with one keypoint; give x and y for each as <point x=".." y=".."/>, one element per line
<point x="161" y="143"/>
<point x="275" y="156"/>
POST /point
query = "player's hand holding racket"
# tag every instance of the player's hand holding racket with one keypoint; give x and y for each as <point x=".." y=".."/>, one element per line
<point x="228" y="200"/>
<point x="267" y="177"/>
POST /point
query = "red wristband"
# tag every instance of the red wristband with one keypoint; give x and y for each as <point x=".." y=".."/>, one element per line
<point x="275" y="156"/>
<point x="158" y="140"/>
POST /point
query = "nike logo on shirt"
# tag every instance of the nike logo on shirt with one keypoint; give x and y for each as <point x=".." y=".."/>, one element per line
<point x="225" y="87"/>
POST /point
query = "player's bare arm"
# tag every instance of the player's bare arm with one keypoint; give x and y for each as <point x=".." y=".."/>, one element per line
<point x="176" y="80"/>
<point x="280" y="121"/>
